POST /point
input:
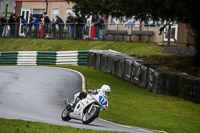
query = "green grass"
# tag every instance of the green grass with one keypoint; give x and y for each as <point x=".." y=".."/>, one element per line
<point x="19" y="126"/>
<point x="134" y="106"/>
<point x="129" y="48"/>
<point x="128" y="104"/>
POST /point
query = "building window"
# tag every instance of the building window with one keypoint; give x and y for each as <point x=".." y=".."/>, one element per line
<point x="152" y="23"/>
<point x="174" y="29"/>
<point x="132" y="22"/>
<point x="38" y="13"/>
<point x="54" y="13"/>
<point x="113" y="21"/>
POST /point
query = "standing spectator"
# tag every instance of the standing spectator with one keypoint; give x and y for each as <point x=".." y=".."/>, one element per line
<point x="17" y="24"/>
<point x="101" y="28"/>
<point x="79" y="27"/>
<point x="30" y="26"/>
<point x="24" y="22"/>
<point x="12" y="22"/>
<point x="36" y="25"/>
<point x="96" y="25"/>
<point x="46" y="25"/>
<point x="60" y="24"/>
<point x="70" y="25"/>
<point x="3" y="23"/>
<point x="54" y="28"/>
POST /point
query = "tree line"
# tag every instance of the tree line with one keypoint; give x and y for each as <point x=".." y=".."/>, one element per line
<point x="180" y="11"/>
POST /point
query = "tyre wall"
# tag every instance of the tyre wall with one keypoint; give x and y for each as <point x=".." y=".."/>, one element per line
<point x="154" y="79"/>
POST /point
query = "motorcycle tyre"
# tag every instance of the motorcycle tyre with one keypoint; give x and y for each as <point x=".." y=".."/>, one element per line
<point x="95" y="115"/>
<point x="67" y="117"/>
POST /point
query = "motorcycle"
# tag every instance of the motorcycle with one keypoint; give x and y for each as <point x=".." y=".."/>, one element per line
<point x="86" y="109"/>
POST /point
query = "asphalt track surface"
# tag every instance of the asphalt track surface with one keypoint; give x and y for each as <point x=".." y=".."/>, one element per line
<point x="38" y="94"/>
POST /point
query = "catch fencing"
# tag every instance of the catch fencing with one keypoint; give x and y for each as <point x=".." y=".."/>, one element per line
<point x="44" y="58"/>
<point x="153" y="78"/>
<point x="114" y="32"/>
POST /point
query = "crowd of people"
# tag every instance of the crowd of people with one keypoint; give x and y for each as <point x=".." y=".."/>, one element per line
<point x="74" y="23"/>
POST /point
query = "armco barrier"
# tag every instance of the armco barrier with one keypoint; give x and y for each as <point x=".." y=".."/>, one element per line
<point x="44" y="58"/>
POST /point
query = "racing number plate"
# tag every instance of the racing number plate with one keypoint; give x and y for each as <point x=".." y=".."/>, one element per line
<point x="103" y="101"/>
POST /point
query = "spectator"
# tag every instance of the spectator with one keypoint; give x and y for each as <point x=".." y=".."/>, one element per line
<point x="96" y="25"/>
<point x="3" y="24"/>
<point x="36" y="25"/>
<point x="46" y="25"/>
<point x="24" y="22"/>
<point x="30" y="26"/>
<point x="101" y="28"/>
<point x="70" y="25"/>
<point x="79" y="27"/>
<point x="54" y="28"/>
<point x="17" y="25"/>
<point x="60" y="24"/>
<point x="12" y="23"/>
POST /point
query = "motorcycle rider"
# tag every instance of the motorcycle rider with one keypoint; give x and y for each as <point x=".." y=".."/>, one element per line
<point x="104" y="90"/>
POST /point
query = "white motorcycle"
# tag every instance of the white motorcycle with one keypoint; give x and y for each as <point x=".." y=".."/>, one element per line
<point x="86" y="109"/>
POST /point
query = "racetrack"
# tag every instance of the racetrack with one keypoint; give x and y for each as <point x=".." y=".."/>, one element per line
<point x="38" y="94"/>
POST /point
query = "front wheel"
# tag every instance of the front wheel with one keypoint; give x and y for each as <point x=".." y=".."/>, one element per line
<point x="89" y="117"/>
<point x="65" y="115"/>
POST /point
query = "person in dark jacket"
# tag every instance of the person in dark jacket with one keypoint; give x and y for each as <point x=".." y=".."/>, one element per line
<point x="79" y="27"/>
<point x="12" y="23"/>
<point x="54" y="28"/>
<point x="96" y="25"/>
<point x="101" y="28"/>
<point x="60" y="24"/>
<point x="3" y="25"/>
<point x="46" y="25"/>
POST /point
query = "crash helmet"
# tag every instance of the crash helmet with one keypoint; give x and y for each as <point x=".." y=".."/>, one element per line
<point x="105" y="90"/>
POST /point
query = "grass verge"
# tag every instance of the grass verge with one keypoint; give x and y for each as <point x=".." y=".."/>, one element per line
<point x="129" y="48"/>
<point x="128" y="104"/>
<point x="134" y="106"/>
<point x="19" y="126"/>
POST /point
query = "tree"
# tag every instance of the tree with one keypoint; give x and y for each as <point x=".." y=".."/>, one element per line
<point x="183" y="11"/>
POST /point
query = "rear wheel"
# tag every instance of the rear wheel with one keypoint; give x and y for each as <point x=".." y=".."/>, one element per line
<point x="89" y="117"/>
<point x="65" y="115"/>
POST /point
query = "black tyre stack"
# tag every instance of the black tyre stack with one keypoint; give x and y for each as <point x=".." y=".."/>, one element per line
<point x="155" y="79"/>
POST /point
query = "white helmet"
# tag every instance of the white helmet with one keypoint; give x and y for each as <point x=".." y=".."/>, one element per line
<point x="105" y="90"/>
